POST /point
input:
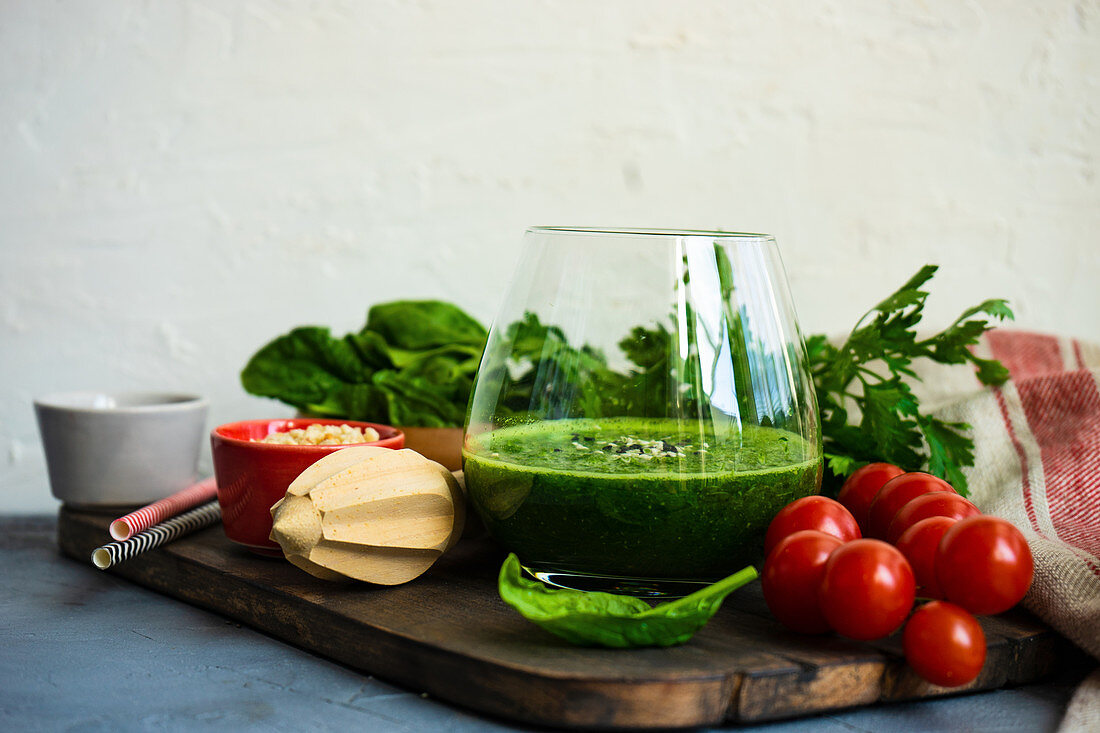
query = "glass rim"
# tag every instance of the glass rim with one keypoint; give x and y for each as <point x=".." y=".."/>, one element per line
<point x="122" y="402"/>
<point x="645" y="232"/>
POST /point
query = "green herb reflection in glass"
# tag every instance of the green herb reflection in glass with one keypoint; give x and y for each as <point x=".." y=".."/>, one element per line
<point x="707" y="358"/>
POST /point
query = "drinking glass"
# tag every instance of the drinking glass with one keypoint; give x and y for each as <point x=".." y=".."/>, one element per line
<point x="642" y="409"/>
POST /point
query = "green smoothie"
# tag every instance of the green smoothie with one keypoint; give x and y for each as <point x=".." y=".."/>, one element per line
<point x="636" y="498"/>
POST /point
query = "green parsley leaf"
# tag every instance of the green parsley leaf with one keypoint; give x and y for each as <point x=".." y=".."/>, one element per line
<point x="868" y="410"/>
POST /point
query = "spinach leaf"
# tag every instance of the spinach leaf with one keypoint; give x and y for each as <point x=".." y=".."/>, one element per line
<point x="306" y="366"/>
<point x="424" y="324"/>
<point x="604" y="619"/>
<point x="414" y="400"/>
<point x="373" y="350"/>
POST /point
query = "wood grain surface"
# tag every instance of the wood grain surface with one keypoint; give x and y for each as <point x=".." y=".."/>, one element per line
<point x="448" y="634"/>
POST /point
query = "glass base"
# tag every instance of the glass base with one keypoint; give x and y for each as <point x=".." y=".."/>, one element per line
<point x="637" y="587"/>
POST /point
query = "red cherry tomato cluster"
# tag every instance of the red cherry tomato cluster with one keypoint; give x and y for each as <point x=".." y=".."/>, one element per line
<point x="856" y="566"/>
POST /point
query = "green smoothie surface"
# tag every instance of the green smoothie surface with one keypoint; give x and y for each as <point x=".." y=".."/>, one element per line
<point x="635" y="497"/>
<point x="632" y="445"/>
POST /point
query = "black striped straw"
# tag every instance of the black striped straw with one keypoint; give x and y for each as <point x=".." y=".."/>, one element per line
<point x="157" y="535"/>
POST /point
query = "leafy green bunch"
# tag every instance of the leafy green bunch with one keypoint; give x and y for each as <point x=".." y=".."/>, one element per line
<point x="412" y="364"/>
<point x="868" y="409"/>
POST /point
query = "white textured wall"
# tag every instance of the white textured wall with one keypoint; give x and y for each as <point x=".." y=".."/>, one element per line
<point x="180" y="181"/>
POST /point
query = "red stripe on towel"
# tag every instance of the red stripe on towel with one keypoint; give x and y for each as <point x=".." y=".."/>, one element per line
<point x="1078" y="354"/>
<point x="1063" y="413"/>
<point x="1026" y="354"/>
<point x="1025" y="479"/>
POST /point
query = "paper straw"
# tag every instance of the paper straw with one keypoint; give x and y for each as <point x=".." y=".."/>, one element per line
<point x="196" y="519"/>
<point x="126" y="527"/>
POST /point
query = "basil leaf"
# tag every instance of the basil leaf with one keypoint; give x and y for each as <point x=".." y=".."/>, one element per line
<point x="605" y="619"/>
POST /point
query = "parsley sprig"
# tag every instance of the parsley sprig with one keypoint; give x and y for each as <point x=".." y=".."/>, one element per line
<point x="870" y="375"/>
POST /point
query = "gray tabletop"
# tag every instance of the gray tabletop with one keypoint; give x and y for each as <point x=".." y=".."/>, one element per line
<point x="85" y="650"/>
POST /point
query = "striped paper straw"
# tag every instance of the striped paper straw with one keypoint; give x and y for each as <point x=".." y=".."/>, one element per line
<point x="126" y="527"/>
<point x="115" y="552"/>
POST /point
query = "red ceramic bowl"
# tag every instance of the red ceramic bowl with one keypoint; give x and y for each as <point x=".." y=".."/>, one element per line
<point x="252" y="476"/>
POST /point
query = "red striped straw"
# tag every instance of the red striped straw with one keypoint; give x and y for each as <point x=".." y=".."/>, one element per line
<point x="124" y="528"/>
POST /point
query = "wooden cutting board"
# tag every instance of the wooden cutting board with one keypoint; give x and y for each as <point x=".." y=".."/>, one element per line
<point x="448" y="634"/>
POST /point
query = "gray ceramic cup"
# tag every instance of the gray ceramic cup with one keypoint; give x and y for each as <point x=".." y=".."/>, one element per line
<point x="108" y="450"/>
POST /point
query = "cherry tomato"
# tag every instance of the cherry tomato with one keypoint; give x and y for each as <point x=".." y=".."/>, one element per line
<point x="933" y="504"/>
<point x="944" y="644"/>
<point x="859" y="490"/>
<point x="867" y="589"/>
<point x="811" y="512"/>
<point x="792" y="574"/>
<point x="898" y="492"/>
<point x="984" y="564"/>
<point x="918" y="544"/>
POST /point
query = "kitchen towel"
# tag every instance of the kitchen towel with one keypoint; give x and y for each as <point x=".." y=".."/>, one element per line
<point x="1037" y="464"/>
